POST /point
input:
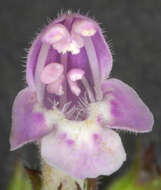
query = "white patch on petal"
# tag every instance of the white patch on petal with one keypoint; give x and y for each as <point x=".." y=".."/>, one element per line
<point x="102" y="109"/>
<point x="78" y="131"/>
<point x="83" y="148"/>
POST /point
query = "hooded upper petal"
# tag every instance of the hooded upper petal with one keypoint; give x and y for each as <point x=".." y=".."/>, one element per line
<point x="127" y="110"/>
<point x="27" y="124"/>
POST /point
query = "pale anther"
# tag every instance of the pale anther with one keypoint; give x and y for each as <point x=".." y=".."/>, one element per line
<point x="72" y="76"/>
<point x="55" y="34"/>
<point x="56" y="87"/>
<point x="51" y="73"/>
<point x="84" y="28"/>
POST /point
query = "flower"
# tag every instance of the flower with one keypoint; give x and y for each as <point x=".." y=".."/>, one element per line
<point x="71" y="106"/>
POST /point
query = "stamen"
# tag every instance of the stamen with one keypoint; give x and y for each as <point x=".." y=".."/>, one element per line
<point x="77" y="115"/>
<point x="88" y="89"/>
<point x="55" y="103"/>
<point x="75" y="74"/>
<point x="93" y="62"/>
<point x="61" y="40"/>
<point x="66" y="107"/>
<point x="77" y="39"/>
<point x="64" y="61"/>
<point x="84" y="28"/>
<point x="76" y="43"/>
<point x="55" y="34"/>
<point x="56" y="86"/>
<point x="85" y="98"/>
<point x="40" y="64"/>
<point x="55" y="89"/>
<point x="74" y="88"/>
<point x="72" y="76"/>
<point x="83" y="101"/>
<point x="71" y="112"/>
<point x="59" y="37"/>
<point x="51" y="73"/>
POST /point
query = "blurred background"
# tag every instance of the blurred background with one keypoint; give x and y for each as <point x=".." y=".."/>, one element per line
<point x="132" y="27"/>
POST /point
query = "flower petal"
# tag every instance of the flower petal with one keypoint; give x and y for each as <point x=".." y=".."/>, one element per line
<point x="27" y="124"/>
<point x="103" y="53"/>
<point x="128" y="111"/>
<point x="90" y="154"/>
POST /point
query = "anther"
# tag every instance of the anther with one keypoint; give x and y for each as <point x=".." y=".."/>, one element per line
<point x="55" y="34"/>
<point x="84" y="28"/>
<point x="72" y="76"/>
<point x="56" y="87"/>
<point x="51" y="73"/>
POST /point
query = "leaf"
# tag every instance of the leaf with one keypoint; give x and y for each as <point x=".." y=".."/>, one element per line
<point x="35" y="177"/>
<point x="143" y="175"/>
<point x="20" y="179"/>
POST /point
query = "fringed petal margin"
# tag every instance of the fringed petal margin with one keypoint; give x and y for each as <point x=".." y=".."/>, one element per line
<point x="128" y="111"/>
<point x="27" y="124"/>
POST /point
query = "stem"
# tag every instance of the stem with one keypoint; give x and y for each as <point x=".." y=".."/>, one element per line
<point x="53" y="179"/>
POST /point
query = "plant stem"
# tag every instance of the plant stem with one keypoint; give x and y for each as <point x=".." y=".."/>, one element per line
<point x="54" y="179"/>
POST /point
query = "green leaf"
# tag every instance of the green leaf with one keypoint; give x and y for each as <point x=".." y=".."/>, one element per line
<point x="20" y="179"/>
<point x="35" y="177"/>
<point x="143" y="175"/>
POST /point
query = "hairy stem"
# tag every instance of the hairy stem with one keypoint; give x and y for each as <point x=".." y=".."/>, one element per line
<point x="53" y="179"/>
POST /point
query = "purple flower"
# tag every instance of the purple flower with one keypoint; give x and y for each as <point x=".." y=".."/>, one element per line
<point x="71" y="106"/>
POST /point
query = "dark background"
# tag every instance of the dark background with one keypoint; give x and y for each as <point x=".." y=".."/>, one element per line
<point x="133" y="27"/>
